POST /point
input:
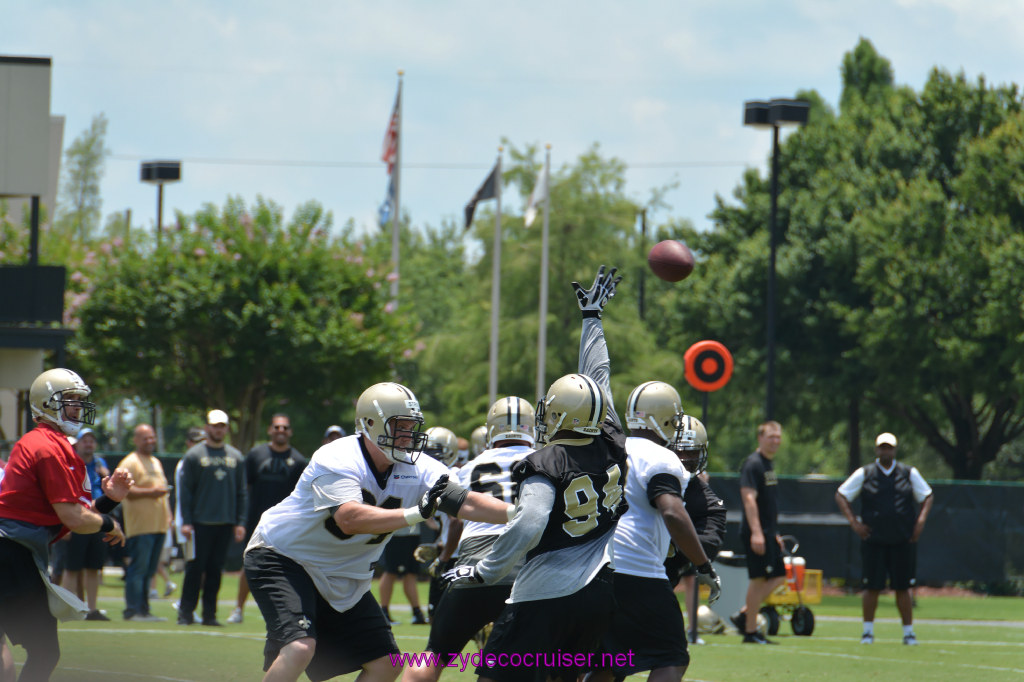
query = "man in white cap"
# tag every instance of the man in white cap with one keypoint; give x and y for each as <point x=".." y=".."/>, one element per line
<point x="333" y="433"/>
<point x="889" y="528"/>
<point x="213" y="508"/>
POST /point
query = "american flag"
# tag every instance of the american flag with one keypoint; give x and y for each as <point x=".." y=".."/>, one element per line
<point x="390" y="153"/>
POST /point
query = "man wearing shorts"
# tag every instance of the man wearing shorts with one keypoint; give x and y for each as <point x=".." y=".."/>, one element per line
<point x="889" y="528"/>
<point x="311" y="558"/>
<point x="759" y="529"/>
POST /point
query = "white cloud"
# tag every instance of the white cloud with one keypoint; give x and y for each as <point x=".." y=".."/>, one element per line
<point x="655" y="81"/>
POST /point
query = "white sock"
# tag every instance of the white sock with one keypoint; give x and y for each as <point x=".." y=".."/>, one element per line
<point x="869" y="628"/>
<point x="908" y="630"/>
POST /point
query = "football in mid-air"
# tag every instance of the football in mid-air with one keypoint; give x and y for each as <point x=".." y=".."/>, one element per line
<point x="670" y="260"/>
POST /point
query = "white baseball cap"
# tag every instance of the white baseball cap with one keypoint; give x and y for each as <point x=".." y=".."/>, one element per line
<point x="885" y="439"/>
<point x="217" y="417"/>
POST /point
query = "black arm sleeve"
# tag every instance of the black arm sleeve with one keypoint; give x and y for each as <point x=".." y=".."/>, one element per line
<point x="663" y="484"/>
<point x="104" y="505"/>
<point x="710" y="522"/>
<point x="451" y="499"/>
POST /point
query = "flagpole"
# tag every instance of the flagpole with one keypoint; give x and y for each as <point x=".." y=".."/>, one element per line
<point x="492" y="382"/>
<point x="542" y="331"/>
<point x="396" y="178"/>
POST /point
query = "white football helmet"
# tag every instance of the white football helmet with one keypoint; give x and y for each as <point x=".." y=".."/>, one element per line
<point x="573" y="403"/>
<point x="378" y="411"/>
<point x="57" y="396"/>
<point x="709" y="622"/>
<point x="654" y="406"/>
<point x="691" y="444"/>
<point x="477" y="441"/>
<point x="442" y="445"/>
<point x="510" y="418"/>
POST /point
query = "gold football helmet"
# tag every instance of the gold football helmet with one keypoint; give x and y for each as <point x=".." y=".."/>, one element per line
<point x="510" y="418"/>
<point x="442" y="445"/>
<point x="573" y="403"/>
<point x="477" y="442"/>
<point x="57" y="396"/>
<point x="691" y="444"/>
<point x="654" y="406"/>
<point x="709" y="622"/>
<point x="378" y="411"/>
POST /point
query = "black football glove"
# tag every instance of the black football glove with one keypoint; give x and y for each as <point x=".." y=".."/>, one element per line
<point x="593" y="300"/>
<point x="428" y="503"/>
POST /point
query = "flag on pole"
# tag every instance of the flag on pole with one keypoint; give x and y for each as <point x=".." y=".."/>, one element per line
<point x="537" y="197"/>
<point x="488" y="190"/>
<point x="387" y="209"/>
<point x="390" y="153"/>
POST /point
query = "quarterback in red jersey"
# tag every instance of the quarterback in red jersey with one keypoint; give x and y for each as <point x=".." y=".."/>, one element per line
<point x="46" y="493"/>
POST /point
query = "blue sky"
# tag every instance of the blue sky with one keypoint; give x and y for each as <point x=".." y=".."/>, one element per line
<point x="660" y="85"/>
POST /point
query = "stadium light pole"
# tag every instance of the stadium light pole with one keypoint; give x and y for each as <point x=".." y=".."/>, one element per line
<point x="160" y="173"/>
<point x="773" y="114"/>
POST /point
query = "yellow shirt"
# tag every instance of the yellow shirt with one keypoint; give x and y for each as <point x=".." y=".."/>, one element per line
<point x="145" y="514"/>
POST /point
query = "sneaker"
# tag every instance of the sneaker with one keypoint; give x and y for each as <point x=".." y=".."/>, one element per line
<point x="153" y="594"/>
<point x="739" y="619"/>
<point x="185" y="619"/>
<point x="910" y="640"/>
<point x="147" y="618"/>
<point x="417" y="617"/>
<point x="169" y="589"/>
<point x="236" y="616"/>
<point x="96" y="615"/>
<point x="387" y="616"/>
<point x="694" y="639"/>
<point x="756" y="638"/>
<point x="867" y="638"/>
<point x="212" y="622"/>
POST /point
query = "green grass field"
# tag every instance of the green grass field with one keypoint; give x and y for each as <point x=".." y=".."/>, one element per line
<point x="962" y="638"/>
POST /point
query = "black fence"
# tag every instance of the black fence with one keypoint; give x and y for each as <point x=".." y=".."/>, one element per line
<point x="975" y="531"/>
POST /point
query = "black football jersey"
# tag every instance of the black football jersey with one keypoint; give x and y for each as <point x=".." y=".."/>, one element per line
<point x="589" y="483"/>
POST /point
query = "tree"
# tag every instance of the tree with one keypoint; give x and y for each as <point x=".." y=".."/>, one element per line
<point x="79" y="206"/>
<point x="899" y="218"/>
<point x="448" y="293"/>
<point x="239" y="310"/>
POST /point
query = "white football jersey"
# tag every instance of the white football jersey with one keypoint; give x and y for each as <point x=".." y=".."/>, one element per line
<point x="491" y="474"/>
<point x="641" y="539"/>
<point x="302" y="526"/>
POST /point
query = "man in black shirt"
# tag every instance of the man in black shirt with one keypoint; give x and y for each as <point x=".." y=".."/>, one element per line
<point x="759" y="529"/>
<point x="271" y="471"/>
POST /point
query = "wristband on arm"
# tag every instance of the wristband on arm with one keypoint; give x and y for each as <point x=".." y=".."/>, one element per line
<point x="104" y="505"/>
<point x="412" y="516"/>
<point x="107" y="525"/>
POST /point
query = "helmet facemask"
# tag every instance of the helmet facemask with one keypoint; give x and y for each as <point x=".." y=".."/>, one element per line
<point x="392" y="436"/>
<point x="58" y="397"/>
<point x="380" y="410"/>
<point x="690" y="443"/>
